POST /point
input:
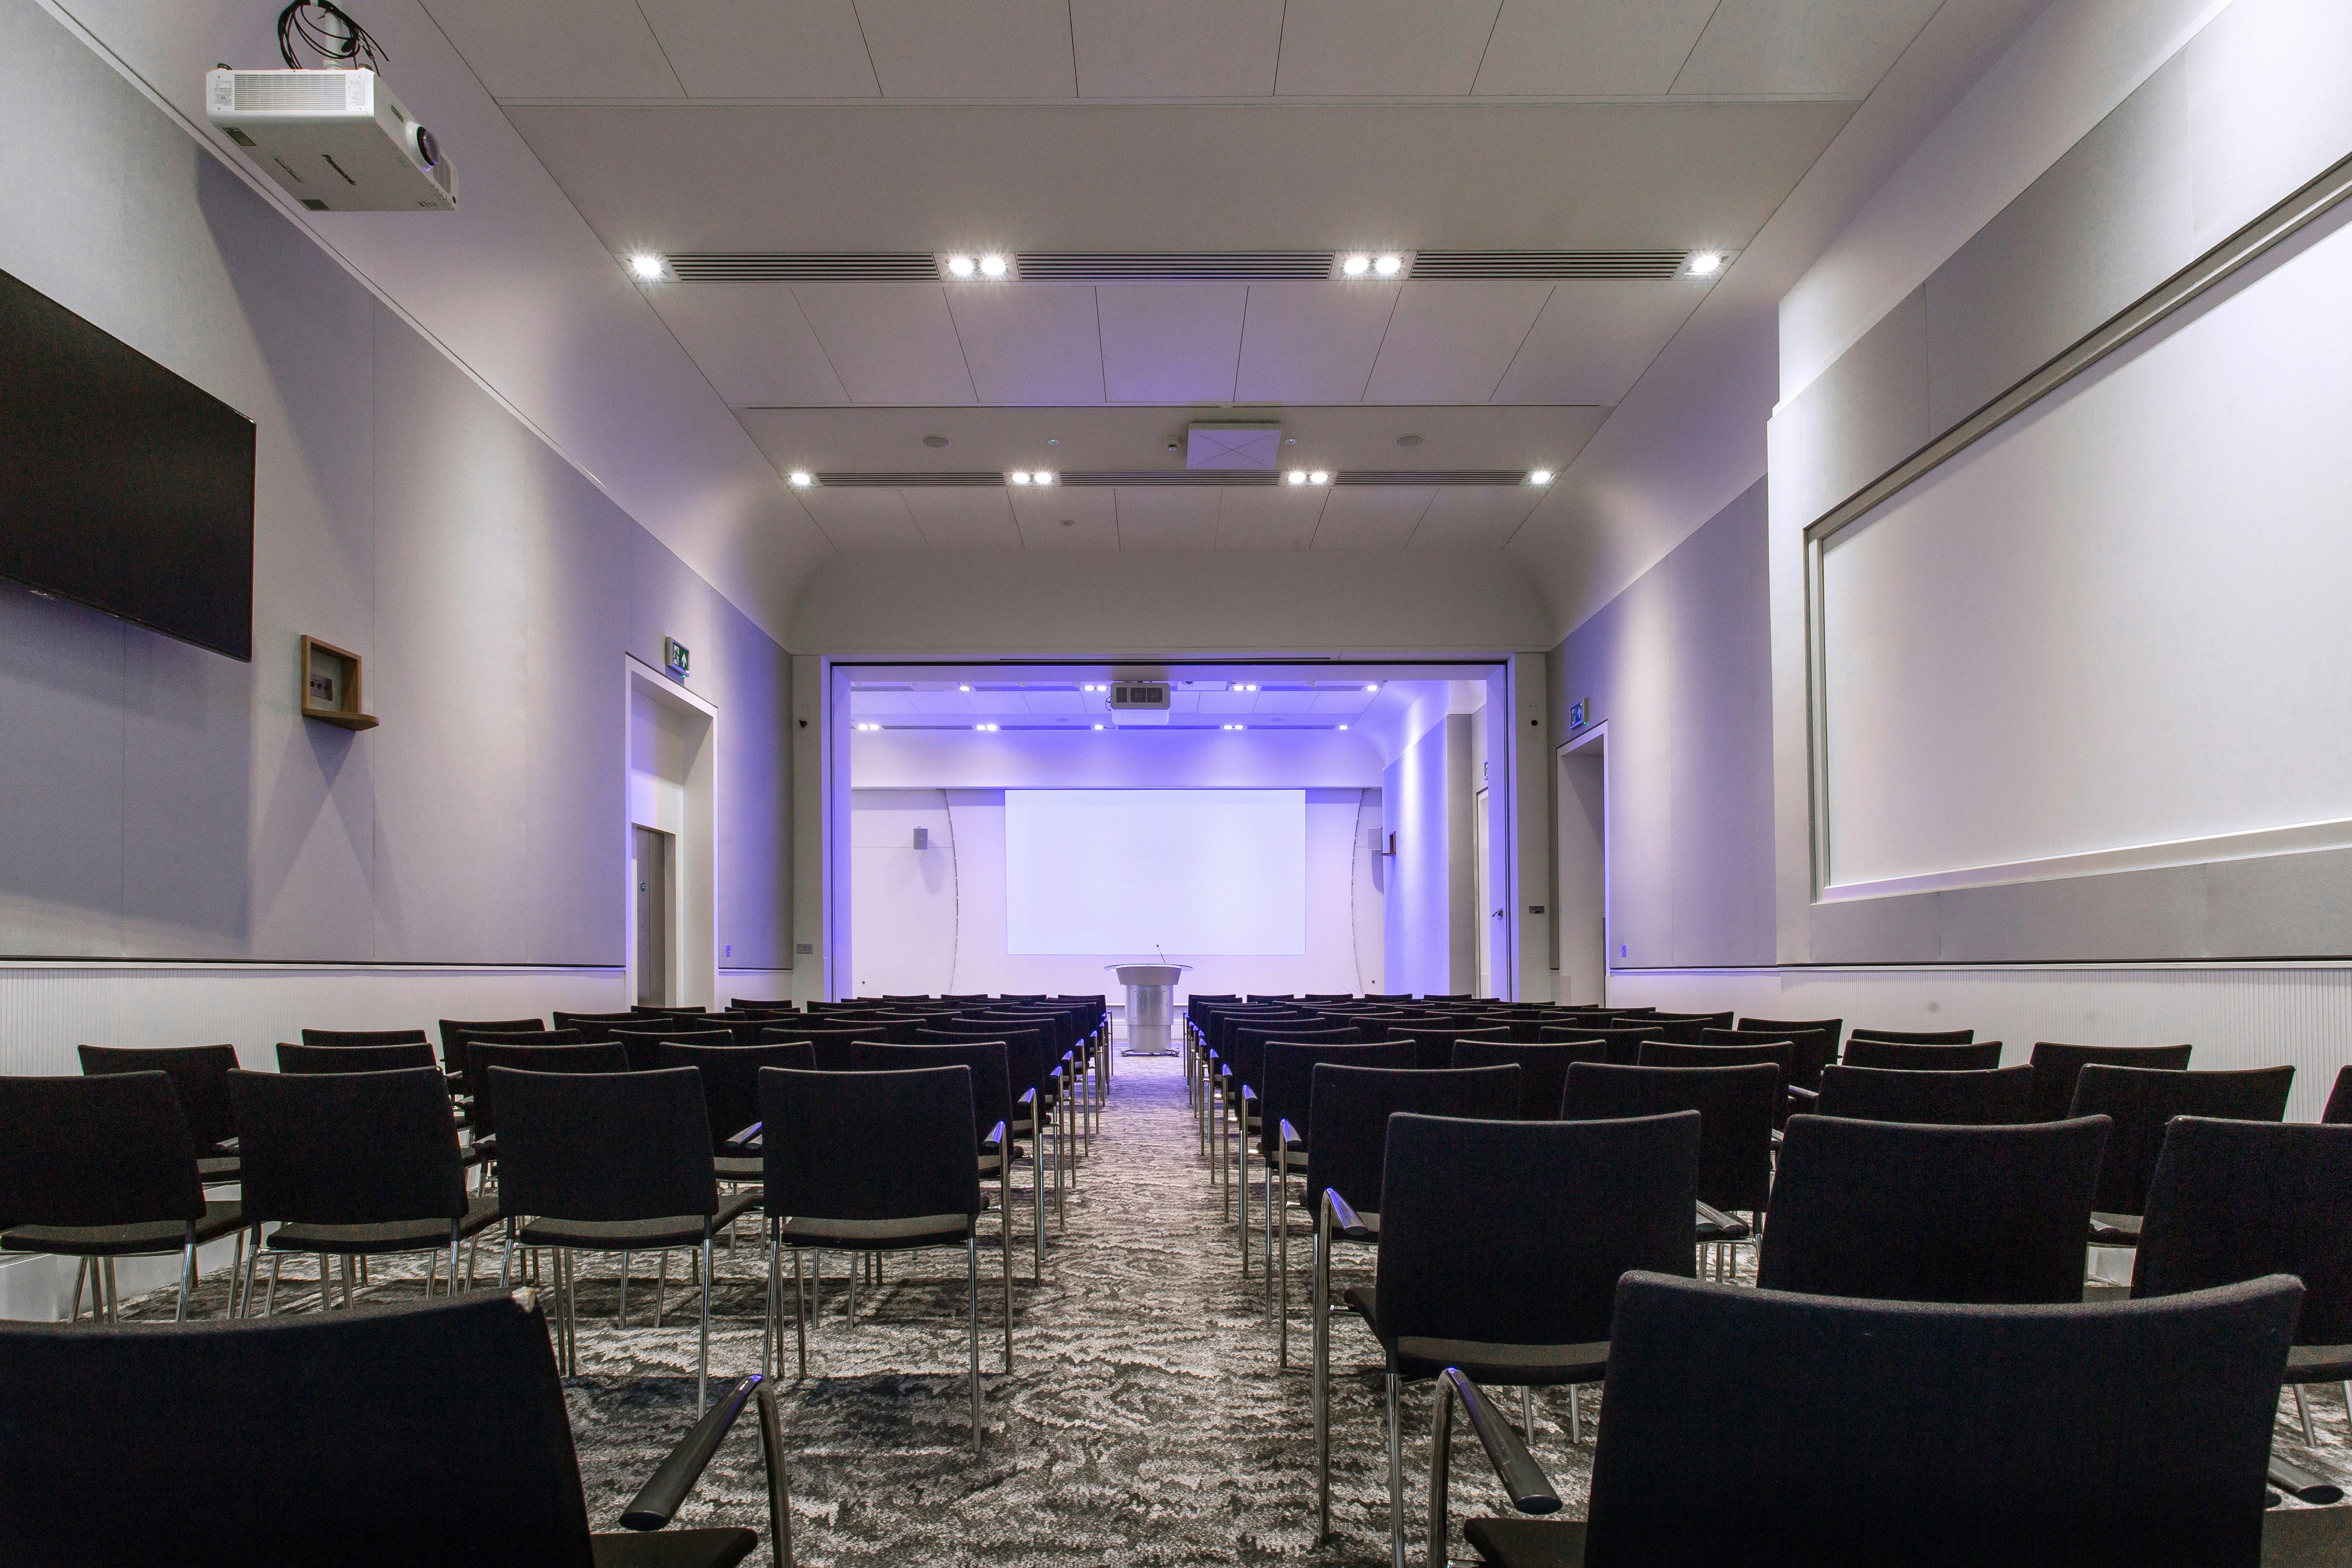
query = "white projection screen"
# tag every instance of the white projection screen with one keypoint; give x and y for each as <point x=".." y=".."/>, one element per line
<point x="1123" y="872"/>
<point x="2117" y="631"/>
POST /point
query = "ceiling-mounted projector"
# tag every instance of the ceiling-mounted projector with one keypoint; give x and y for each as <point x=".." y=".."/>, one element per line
<point x="1139" y="702"/>
<point x="337" y="140"/>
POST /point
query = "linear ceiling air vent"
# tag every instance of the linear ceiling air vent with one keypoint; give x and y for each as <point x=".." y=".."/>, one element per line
<point x="1505" y="265"/>
<point x="989" y="480"/>
<point x="1179" y="479"/>
<point x="1174" y="266"/>
<point x="1360" y="478"/>
<point x="803" y="267"/>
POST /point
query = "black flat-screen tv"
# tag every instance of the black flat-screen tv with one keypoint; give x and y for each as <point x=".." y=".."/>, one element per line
<point x="122" y="485"/>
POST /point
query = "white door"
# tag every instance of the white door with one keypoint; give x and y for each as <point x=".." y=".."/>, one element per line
<point x="1486" y="910"/>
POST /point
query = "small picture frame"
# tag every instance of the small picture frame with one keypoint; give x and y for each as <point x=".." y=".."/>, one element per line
<point x="331" y="686"/>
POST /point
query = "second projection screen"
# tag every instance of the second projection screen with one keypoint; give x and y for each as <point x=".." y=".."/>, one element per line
<point x="1128" y="872"/>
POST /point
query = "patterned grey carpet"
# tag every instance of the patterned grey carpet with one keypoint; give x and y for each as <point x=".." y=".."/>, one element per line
<point x="1145" y="1420"/>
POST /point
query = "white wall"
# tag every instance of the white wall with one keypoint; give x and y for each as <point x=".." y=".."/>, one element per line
<point x="1432" y="922"/>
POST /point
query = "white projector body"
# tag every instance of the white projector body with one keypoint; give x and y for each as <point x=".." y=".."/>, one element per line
<point x="1139" y="702"/>
<point x="337" y="140"/>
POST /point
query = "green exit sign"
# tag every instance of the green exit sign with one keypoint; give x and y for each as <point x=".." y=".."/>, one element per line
<point x="674" y="655"/>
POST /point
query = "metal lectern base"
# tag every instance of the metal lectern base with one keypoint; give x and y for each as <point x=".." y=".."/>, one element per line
<point x="1147" y="1053"/>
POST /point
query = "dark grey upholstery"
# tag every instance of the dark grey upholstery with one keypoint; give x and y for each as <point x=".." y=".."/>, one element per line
<point x="310" y="1058"/>
<point x="365" y="1037"/>
<point x="1543" y="1068"/>
<point x="1968" y="1098"/>
<point x="1923" y="1056"/>
<point x="353" y="1163"/>
<point x="1915" y="1036"/>
<point x="1810" y="1049"/>
<point x="599" y="1055"/>
<point x="2338" y="1110"/>
<point x="1350" y="1110"/>
<point x="2142" y="1101"/>
<point x="730" y="1087"/>
<point x="1737" y="1108"/>
<point x="199" y="1076"/>
<point x="1905" y="1212"/>
<point x="102" y="1167"/>
<point x="1622" y="1038"/>
<point x="2055" y="1066"/>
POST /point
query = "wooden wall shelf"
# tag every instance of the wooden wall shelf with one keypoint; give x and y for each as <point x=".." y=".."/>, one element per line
<point x="331" y="686"/>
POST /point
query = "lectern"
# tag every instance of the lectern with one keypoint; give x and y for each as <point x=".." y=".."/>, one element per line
<point x="1150" y="1006"/>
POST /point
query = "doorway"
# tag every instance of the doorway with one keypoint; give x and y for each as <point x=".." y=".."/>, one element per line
<point x="1582" y="916"/>
<point x="1486" y="894"/>
<point x="649" y="869"/>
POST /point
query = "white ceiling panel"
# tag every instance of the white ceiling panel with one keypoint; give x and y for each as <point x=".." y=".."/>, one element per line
<point x="1590" y="47"/>
<point x="725" y="49"/>
<point x="753" y="343"/>
<point x="1451" y="343"/>
<point x="1061" y="701"/>
<point x="1167" y="519"/>
<point x="890" y="343"/>
<point x="558" y="48"/>
<point x="1276" y="519"/>
<point x="947" y="702"/>
<point x="1286" y="703"/>
<point x="871" y="704"/>
<point x="1345" y="703"/>
<point x="955" y="48"/>
<point x="1176" y="49"/>
<point x="1171" y="342"/>
<point x="1372" y="518"/>
<point x="1474" y="517"/>
<point x="1830" y="48"/>
<point x="1363" y="48"/>
<point x="1312" y="342"/>
<point x="1059" y="518"/>
<point x="1228" y="702"/>
<point x="963" y="518"/>
<point x="1595" y="338"/>
<point x="863" y="519"/>
<point x="1032" y="344"/>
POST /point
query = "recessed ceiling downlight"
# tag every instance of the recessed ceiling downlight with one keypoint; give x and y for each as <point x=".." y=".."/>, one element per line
<point x="1356" y="266"/>
<point x="1706" y="263"/>
<point x="801" y="478"/>
<point x="1388" y="265"/>
<point x="647" y="266"/>
<point x="961" y="265"/>
<point x="991" y="267"/>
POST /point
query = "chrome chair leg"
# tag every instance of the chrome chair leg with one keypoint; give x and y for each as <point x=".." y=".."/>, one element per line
<point x="73" y="1306"/>
<point x="1004" y="1208"/>
<point x="1575" y="1415"/>
<point x="269" y="1306"/>
<point x="1281" y="1288"/>
<point x="972" y="1272"/>
<point x="1396" y="1479"/>
<point x="1322" y="1336"/>
<point x="2302" y="1413"/>
<point x="661" y="1285"/>
<point x="702" y="1378"/>
<point x="801" y="1312"/>
<point x="188" y="1283"/>
<point x="621" y="1317"/>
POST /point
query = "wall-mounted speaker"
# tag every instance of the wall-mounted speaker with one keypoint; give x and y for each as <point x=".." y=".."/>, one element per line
<point x="922" y="839"/>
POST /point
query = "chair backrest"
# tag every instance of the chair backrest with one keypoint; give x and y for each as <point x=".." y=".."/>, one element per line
<point x="310" y="1058"/>
<point x="1686" y="1027"/>
<point x="365" y="1037"/>
<point x="1907" y="1211"/>
<point x="1028" y="1053"/>
<point x="1289" y="1088"/>
<point x="1674" y="1054"/>
<point x="1348" y="1116"/>
<point x="831" y="1043"/>
<point x="1915" y="1036"/>
<point x="643" y="1045"/>
<point x="1736" y="1107"/>
<point x="1789" y="1028"/>
<point x="453" y="1032"/>
<point x="343" y="1433"/>
<point x="597" y="1056"/>
<point x="2142" y="1100"/>
<point x="730" y="1077"/>
<point x="869" y="1145"/>
<point x="1433" y="1044"/>
<point x="2127" y="1435"/>
<point x="1511" y="1232"/>
<point x="742" y="1005"/>
<point x="347" y="1148"/>
<point x="1980" y="1099"/>
<point x="991" y="1078"/>
<point x="2237" y="1200"/>
<point x="1622" y="1042"/>
<point x="1543" y="1068"/>
<point x="603" y="1145"/>
<point x="1917" y="1055"/>
<point x="2056" y="1067"/>
<point x="648" y="1010"/>
<point x="2338" y="1110"/>
<point x="1246" y="1054"/>
<point x="1811" y="1050"/>
<point x="596" y="1025"/>
<point x="109" y="1150"/>
<point x="199" y="1076"/>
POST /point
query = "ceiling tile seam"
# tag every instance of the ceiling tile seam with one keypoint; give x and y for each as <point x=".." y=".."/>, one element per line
<point x="660" y="48"/>
<point x="824" y="353"/>
<point x="1711" y="18"/>
<point x="1281" y="42"/>
<point x="1533" y="323"/>
<point x="962" y="353"/>
<point x="1102" y="360"/>
<point x="1485" y="48"/>
<point x="1070" y="35"/>
<point x="1315" y="532"/>
<point x="1419" y="518"/>
<point x="1398" y="100"/>
<point x="1373" y="369"/>
<point x="866" y="44"/>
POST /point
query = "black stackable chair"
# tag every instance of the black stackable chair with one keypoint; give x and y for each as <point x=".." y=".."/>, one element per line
<point x="97" y="1168"/>
<point x="333" y="1439"/>
<point x="1433" y="1043"/>
<point x="1685" y="1029"/>
<point x="1754" y="1426"/>
<point x="1032" y="1064"/>
<point x="1623" y="1040"/>
<point x="1914" y="1036"/>
<point x="589" y="1056"/>
<point x="872" y="1161"/>
<point x="1348" y="1119"/>
<point x="1907" y="1211"/>
<point x="2236" y="1200"/>
<point x="2338" y="1110"/>
<point x="1282" y="1144"/>
<point x="831" y="1043"/>
<point x="645" y="1045"/>
<point x="199" y="1076"/>
<point x="2142" y="1102"/>
<point x="365" y="1037"/>
<point x="608" y="1161"/>
<point x="353" y="1164"/>
<point x="730" y="1093"/>
<point x="1810" y="1050"/>
<point x="454" y="1032"/>
<point x="596" y="1025"/>
<point x="2056" y="1067"/>
<point x="397" y="1057"/>
<point x="1737" y="1107"/>
<point x="1923" y="1056"/>
<point x="992" y="1122"/>
<point x="1501" y="1244"/>
<point x="1979" y="1098"/>
<point x="1543" y="1068"/>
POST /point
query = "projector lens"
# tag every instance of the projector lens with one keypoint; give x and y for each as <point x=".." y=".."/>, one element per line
<point x="428" y="151"/>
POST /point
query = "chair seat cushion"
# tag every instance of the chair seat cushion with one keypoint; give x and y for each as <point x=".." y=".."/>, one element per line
<point x="1523" y="1543"/>
<point x="1737" y="1230"/>
<point x="672" y="1548"/>
<point x="2115" y="1230"/>
<point x="738" y="1168"/>
<point x="123" y="1240"/>
<point x="1512" y="1366"/>
<point x="2318" y="1363"/>
<point x="632" y="1235"/>
<point x="388" y="1235"/>
<point x="876" y="1235"/>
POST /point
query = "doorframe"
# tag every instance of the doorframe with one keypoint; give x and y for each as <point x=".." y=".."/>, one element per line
<point x="693" y="859"/>
<point x="1592" y="736"/>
